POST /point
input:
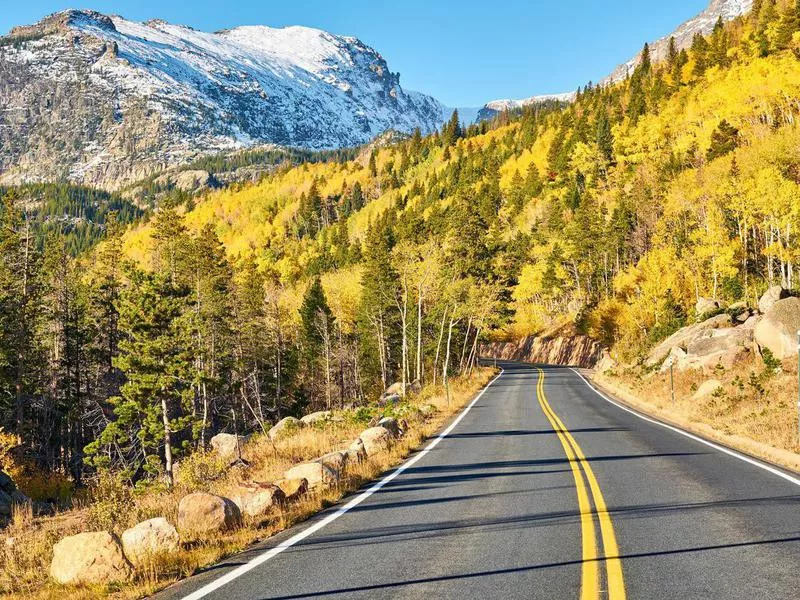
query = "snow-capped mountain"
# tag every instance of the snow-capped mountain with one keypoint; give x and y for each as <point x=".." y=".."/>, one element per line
<point x="702" y="23"/>
<point x="490" y="109"/>
<point x="101" y="99"/>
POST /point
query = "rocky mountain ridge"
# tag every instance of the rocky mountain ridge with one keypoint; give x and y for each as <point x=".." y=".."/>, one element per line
<point x="703" y="23"/>
<point x="102" y="100"/>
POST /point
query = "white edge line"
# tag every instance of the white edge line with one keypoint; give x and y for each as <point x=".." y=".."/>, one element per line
<point x="696" y="438"/>
<point x="285" y="545"/>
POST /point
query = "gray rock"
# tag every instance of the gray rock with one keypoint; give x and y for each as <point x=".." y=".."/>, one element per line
<point x="285" y="426"/>
<point x="392" y="425"/>
<point x="94" y="557"/>
<point x="315" y="473"/>
<point x="705" y="306"/>
<point x="317" y="417"/>
<point x="684" y="336"/>
<point x="225" y="444"/>
<point x="777" y="330"/>
<point x="335" y="461"/>
<point x="356" y="452"/>
<point x="770" y="297"/>
<point x="149" y="539"/>
<point x="202" y="515"/>
<point x="258" y="499"/>
<point x="376" y="440"/>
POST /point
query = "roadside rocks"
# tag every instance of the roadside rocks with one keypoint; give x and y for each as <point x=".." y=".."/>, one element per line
<point x="376" y="440"/>
<point x="777" y="330"/>
<point x="335" y="461"/>
<point x="317" y="417"/>
<point x="718" y="346"/>
<point x="293" y="489"/>
<point x="314" y="472"/>
<point x="392" y="425"/>
<point x="202" y="515"/>
<point x="227" y="445"/>
<point x="683" y="337"/>
<point x="356" y="453"/>
<point x="285" y="426"/>
<point x="155" y="537"/>
<point x="93" y="557"/>
<point x="257" y="499"/>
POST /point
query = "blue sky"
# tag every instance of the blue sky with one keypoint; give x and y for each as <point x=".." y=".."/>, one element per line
<point x="462" y="52"/>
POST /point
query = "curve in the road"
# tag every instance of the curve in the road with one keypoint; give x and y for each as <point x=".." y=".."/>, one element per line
<point x="510" y="501"/>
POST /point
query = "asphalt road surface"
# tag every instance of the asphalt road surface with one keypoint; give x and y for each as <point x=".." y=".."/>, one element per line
<point x="543" y="489"/>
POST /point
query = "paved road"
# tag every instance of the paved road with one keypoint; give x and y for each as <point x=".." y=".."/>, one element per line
<point x="544" y="490"/>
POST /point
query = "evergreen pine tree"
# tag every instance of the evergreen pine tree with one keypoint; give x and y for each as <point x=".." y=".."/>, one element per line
<point x="604" y="137"/>
<point x="153" y="414"/>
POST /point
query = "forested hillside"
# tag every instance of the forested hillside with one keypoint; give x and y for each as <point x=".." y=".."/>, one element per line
<point x="328" y="281"/>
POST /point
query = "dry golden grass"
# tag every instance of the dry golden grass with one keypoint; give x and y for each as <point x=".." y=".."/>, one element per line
<point x="25" y="561"/>
<point x="755" y="411"/>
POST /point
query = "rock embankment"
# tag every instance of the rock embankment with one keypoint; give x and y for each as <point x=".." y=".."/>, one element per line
<point x="100" y="558"/>
<point x="725" y="339"/>
<point x="574" y="350"/>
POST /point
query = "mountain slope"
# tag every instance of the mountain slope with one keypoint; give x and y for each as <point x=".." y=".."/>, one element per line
<point x="702" y="23"/>
<point x="97" y="99"/>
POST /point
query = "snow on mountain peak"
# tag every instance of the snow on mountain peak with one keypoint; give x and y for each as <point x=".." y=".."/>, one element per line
<point x="196" y="91"/>
<point x="703" y="23"/>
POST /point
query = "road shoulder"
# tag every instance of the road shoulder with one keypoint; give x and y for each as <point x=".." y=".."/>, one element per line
<point x="783" y="460"/>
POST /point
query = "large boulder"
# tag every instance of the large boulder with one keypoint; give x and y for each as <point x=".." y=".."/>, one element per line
<point x="770" y="297"/>
<point x="225" y="444"/>
<point x="317" y="417"/>
<point x="356" y="453"/>
<point x="94" y="557"/>
<point x="684" y="336"/>
<point x="202" y="515"/>
<point x="675" y="359"/>
<point x="707" y="388"/>
<point x="335" y="461"/>
<point x="778" y="328"/>
<point x="314" y="472"/>
<point x="152" y="538"/>
<point x="293" y="489"/>
<point x="392" y="425"/>
<point x="705" y="306"/>
<point x="284" y="427"/>
<point x="718" y="346"/>
<point x="376" y="440"/>
<point x="258" y="499"/>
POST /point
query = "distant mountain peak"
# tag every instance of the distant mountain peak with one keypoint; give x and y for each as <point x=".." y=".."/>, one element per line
<point x="490" y="109"/>
<point x="120" y="99"/>
<point x="702" y="23"/>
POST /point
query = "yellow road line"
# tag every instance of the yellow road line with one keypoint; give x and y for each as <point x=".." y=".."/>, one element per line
<point x="614" y="577"/>
<point x="589" y="577"/>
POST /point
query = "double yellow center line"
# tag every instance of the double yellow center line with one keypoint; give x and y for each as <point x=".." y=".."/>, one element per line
<point x="582" y="473"/>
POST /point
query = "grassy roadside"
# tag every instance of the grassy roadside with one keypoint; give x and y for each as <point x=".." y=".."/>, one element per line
<point x="754" y="409"/>
<point x="26" y="551"/>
